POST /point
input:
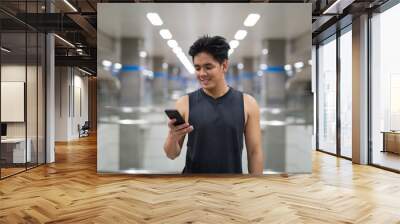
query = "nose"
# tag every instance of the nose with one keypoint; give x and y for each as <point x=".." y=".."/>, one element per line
<point x="201" y="72"/>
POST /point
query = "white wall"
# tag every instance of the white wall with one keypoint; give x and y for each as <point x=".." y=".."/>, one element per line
<point x="61" y="103"/>
<point x="33" y="126"/>
<point x="79" y="117"/>
<point x="70" y="83"/>
<point x="10" y="73"/>
<point x="16" y="73"/>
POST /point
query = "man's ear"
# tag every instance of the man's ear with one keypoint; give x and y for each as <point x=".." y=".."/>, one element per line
<point x="225" y="65"/>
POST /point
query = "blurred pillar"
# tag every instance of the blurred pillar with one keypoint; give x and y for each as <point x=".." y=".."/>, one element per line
<point x="274" y="136"/>
<point x="130" y="74"/>
<point x="173" y="78"/>
<point x="275" y="74"/>
<point x="131" y="153"/>
<point x="159" y="86"/>
<point x="247" y="74"/>
<point x="170" y="78"/>
<point x="234" y="76"/>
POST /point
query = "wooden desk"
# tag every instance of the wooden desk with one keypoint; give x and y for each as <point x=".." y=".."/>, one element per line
<point x="391" y="141"/>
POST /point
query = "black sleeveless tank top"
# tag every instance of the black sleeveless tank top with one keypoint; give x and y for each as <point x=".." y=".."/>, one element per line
<point x="215" y="145"/>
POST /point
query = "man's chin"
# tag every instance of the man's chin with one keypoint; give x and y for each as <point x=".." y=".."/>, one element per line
<point x="206" y="86"/>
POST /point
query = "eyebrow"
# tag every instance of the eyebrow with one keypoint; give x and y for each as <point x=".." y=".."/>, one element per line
<point x="206" y="64"/>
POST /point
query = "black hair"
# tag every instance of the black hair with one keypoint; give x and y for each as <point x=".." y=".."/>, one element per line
<point x="216" y="46"/>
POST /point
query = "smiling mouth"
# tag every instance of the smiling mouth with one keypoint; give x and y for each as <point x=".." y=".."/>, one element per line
<point x="204" y="81"/>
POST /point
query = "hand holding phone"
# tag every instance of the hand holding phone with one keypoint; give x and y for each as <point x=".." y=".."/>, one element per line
<point x="174" y="114"/>
<point x="177" y="125"/>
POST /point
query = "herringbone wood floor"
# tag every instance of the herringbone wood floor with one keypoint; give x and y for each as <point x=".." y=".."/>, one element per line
<point x="70" y="191"/>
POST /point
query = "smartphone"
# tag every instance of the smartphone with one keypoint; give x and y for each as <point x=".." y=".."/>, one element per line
<point x="174" y="114"/>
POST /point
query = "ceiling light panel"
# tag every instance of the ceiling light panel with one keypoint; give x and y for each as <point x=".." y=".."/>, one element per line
<point x="172" y="43"/>
<point x="5" y="50"/>
<point x="70" y="5"/>
<point x="251" y="19"/>
<point x="154" y="19"/>
<point x="64" y="40"/>
<point x="234" y="44"/>
<point x="240" y="34"/>
<point x="165" y="34"/>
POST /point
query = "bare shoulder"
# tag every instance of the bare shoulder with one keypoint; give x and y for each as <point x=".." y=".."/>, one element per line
<point x="182" y="105"/>
<point x="251" y="109"/>
<point x="250" y="103"/>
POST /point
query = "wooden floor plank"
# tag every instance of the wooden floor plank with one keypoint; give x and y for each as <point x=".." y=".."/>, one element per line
<point x="70" y="191"/>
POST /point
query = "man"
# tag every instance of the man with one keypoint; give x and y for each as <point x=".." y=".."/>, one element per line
<point x="216" y="117"/>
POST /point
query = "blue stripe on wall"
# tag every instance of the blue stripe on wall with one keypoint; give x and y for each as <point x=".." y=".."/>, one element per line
<point x="275" y="69"/>
<point x="131" y="68"/>
<point x="174" y="78"/>
<point x="159" y="74"/>
<point x="247" y="75"/>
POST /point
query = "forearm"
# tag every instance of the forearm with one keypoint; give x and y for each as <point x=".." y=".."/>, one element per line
<point x="256" y="162"/>
<point x="171" y="147"/>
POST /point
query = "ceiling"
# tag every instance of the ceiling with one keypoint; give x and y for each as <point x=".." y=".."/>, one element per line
<point x="189" y="21"/>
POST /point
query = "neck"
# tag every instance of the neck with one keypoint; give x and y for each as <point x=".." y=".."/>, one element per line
<point x="218" y="91"/>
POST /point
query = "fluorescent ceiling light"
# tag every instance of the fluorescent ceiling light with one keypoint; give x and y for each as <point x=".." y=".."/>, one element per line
<point x="273" y="123"/>
<point x="264" y="51"/>
<point x="86" y="72"/>
<point x="185" y="61"/>
<point x="263" y="66"/>
<point x="230" y="51"/>
<point x="165" y="34"/>
<point x="177" y="50"/>
<point x="65" y="41"/>
<point x="117" y="66"/>
<point x="106" y="63"/>
<point x="275" y="111"/>
<point x="70" y="5"/>
<point x="240" y="34"/>
<point x="148" y="73"/>
<point x="5" y="50"/>
<point x="288" y="67"/>
<point x="331" y="7"/>
<point x="154" y="19"/>
<point x="251" y="19"/>
<point x="172" y="43"/>
<point x="234" y="44"/>
<point x="133" y="122"/>
<point x="299" y="64"/>
<point x="142" y="54"/>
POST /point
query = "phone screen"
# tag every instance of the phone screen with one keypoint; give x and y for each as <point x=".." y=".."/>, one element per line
<point x="174" y="114"/>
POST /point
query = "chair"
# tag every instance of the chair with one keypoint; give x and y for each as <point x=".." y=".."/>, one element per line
<point x="84" y="130"/>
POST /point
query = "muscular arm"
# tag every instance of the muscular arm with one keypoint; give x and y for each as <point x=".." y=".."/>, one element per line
<point x="253" y="136"/>
<point x="176" y="135"/>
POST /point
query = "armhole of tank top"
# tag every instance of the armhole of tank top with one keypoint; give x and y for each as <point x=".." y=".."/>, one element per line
<point x="244" y="110"/>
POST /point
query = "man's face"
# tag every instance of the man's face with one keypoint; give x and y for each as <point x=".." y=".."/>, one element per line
<point x="209" y="72"/>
